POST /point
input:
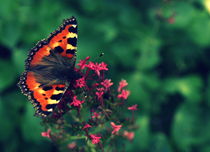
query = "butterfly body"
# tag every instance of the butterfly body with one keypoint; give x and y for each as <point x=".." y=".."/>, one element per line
<point x="54" y="69"/>
<point x="49" y="68"/>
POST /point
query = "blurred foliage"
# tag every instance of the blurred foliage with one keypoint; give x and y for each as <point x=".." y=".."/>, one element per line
<point x="161" y="47"/>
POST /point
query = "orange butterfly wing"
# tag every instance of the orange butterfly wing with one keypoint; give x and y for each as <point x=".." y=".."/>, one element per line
<point x="62" y="41"/>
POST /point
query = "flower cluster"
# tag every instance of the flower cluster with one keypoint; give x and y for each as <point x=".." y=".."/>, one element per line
<point x="92" y="112"/>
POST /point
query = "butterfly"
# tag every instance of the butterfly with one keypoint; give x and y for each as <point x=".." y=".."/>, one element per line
<point x="49" y="68"/>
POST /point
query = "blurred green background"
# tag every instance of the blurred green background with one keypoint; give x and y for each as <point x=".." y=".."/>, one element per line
<point x="161" y="47"/>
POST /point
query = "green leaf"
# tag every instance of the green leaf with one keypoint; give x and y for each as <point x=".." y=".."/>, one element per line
<point x="31" y="128"/>
<point x="191" y="127"/>
<point x="18" y="57"/>
<point x="141" y="86"/>
<point x="7" y="125"/>
<point x="142" y="135"/>
<point x="149" y="51"/>
<point x="8" y="74"/>
<point x="185" y="13"/>
<point x="159" y="143"/>
<point x="108" y="30"/>
<point x="207" y="93"/>
<point x="190" y="87"/>
<point x="15" y="101"/>
<point x="199" y="29"/>
<point x="11" y="33"/>
<point x="91" y="6"/>
<point x="138" y="94"/>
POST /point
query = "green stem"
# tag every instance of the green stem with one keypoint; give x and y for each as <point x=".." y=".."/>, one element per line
<point x="77" y="137"/>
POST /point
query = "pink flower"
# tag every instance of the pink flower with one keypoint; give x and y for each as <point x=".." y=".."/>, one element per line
<point x="76" y="102"/>
<point x="133" y="108"/>
<point x="97" y="67"/>
<point x="99" y="95"/>
<point x="100" y="89"/>
<point x="46" y="134"/>
<point x="115" y="127"/>
<point x="82" y="63"/>
<point x="95" y="139"/>
<point x="95" y="84"/>
<point x="124" y="94"/>
<point x="103" y="66"/>
<point x="72" y="145"/>
<point x="95" y="115"/>
<point x="80" y="82"/>
<point x="128" y="135"/>
<point x="122" y="84"/>
<point x="107" y="83"/>
<point x="86" y="126"/>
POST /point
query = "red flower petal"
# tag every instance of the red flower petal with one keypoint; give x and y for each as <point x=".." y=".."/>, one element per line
<point x="124" y="94"/>
<point x="80" y="82"/>
<point x="95" y="139"/>
<point x="115" y="127"/>
<point x="82" y="63"/>
<point x="107" y="83"/>
<point x="134" y="107"/>
<point x="97" y="67"/>
<point x="128" y="135"/>
<point x="76" y="102"/>
<point x="86" y="126"/>
<point x="122" y="84"/>
<point x="46" y="134"/>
